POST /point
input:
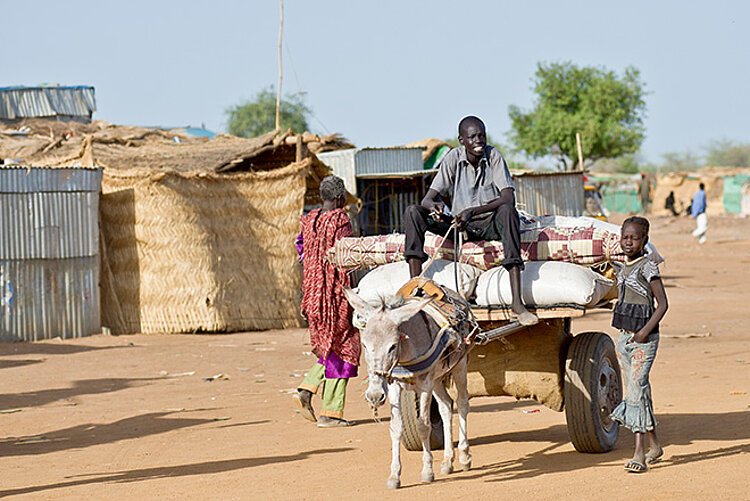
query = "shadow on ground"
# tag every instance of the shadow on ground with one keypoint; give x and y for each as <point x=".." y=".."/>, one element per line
<point x="82" y="387"/>
<point x="7" y="349"/>
<point x="674" y="429"/>
<point x="503" y="406"/>
<point x="92" y="434"/>
<point x="185" y="470"/>
<point x="8" y="364"/>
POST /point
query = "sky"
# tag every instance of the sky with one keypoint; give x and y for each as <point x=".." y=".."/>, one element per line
<point x="386" y="73"/>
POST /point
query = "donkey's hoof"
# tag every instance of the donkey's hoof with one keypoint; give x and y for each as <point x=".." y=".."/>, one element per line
<point x="446" y="469"/>
<point x="428" y="477"/>
<point x="393" y="483"/>
<point x="466" y="465"/>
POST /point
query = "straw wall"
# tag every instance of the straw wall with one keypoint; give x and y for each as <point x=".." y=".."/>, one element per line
<point x="201" y="252"/>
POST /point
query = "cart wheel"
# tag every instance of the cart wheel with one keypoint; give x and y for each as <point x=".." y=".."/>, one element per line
<point x="593" y="388"/>
<point x="410" y="415"/>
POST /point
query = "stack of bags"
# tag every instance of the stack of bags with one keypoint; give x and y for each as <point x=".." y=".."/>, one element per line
<point x="560" y="252"/>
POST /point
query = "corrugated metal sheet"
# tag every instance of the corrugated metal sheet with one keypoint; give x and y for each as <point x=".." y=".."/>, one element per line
<point x="51" y="225"/>
<point x="351" y="163"/>
<point x="25" y="102"/>
<point x="46" y="298"/>
<point x="49" y="253"/>
<point x="558" y="193"/>
<point x="17" y="179"/>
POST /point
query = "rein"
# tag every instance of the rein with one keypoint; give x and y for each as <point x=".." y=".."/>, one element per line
<point x="442" y="240"/>
<point x="458" y="242"/>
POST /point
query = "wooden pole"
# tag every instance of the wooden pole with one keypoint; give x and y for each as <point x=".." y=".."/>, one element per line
<point x="300" y="153"/>
<point x="278" y="92"/>
<point x="580" y="151"/>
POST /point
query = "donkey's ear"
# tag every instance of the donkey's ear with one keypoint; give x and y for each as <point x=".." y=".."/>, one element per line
<point x="403" y="313"/>
<point x="359" y="304"/>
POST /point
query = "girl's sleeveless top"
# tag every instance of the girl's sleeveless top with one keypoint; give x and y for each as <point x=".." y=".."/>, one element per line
<point x="636" y="300"/>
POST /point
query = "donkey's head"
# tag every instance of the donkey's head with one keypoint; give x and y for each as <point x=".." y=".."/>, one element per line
<point x="381" y="339"/>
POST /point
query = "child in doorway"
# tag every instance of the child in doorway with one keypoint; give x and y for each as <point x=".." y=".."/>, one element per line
<point x="639" y="283"/>
<point x="332" y="336"/>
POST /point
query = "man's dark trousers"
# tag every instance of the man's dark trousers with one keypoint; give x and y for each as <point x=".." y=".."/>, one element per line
<point x="503" y="225"/>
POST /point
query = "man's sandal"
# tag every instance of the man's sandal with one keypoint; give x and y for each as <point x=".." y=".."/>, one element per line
<point x="635" y="467"/>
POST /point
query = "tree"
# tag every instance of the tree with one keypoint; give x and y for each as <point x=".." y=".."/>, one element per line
<point x="680" y="161"/>
<point x="258" y="116"/>
<point x="725" y="153"/>
<point x="626" y="164"/>
<point x="606" y="110"/>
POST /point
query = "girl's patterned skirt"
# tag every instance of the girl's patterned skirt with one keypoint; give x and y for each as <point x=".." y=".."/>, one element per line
<point x="636" y="411"/>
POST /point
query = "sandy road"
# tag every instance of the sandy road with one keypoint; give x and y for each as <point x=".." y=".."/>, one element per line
<point x="132" y="417"/>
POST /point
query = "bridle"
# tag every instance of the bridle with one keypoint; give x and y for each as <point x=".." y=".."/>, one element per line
<point x="387" y="374"/>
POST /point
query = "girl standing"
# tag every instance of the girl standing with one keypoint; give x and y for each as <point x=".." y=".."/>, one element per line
<point x="639" y="283"/>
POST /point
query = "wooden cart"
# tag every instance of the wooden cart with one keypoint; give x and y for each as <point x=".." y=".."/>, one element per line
<point x="577" y="373"/>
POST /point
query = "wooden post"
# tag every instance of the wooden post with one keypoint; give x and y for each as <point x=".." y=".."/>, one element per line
<point x="580" y="151"/>
<point x="300" y="151"/>
<point x="278" y="93"/>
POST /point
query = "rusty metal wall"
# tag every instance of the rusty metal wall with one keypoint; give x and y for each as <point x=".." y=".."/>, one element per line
<point x="49" y="253"/>
<point x="542" y="193"/>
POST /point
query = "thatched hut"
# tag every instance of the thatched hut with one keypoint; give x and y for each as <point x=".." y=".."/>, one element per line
<point x="199" y="251"/>
<point x="197" y="235"/>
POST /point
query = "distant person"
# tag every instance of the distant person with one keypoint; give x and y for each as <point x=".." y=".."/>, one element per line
<point x="476" y="178"/>
<point x="644" y="193"/>
<point x="639" y="283"/>
<point x="332" y="336"/>
<point x="698" y="211"/>
<point x="669" y="204"/>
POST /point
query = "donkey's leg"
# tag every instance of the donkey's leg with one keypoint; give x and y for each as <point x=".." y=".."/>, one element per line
<point x="397" y="428"/>
<point x="424" y="428"/>
<point x="462" y="402"/>
<point x="446" y="413"/>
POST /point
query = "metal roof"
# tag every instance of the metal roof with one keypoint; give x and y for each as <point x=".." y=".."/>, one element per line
<point x="354" y="163"/>
<point x="26" y="102"/>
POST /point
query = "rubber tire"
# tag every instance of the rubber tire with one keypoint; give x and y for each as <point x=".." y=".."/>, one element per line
<point x="591" y="369"/>
<point x="410" y="416"/>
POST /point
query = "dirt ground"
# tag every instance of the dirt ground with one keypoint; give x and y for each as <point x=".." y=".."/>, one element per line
<point x="134" y="417"/>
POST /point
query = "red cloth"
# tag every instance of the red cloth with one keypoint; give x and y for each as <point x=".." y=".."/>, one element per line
<point x="323" y="302"/>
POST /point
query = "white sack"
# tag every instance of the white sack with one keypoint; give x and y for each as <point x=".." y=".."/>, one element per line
<point x="544" y="283"/>
<point x="387" y="279"/>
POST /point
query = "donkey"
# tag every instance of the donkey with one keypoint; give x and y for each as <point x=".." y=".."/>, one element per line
<point x="399" y="331"/>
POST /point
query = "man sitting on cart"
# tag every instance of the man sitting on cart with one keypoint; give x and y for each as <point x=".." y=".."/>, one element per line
<point x="476" y="178"/>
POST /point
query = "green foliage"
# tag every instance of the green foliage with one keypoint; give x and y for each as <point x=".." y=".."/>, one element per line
<point x="725" y="153"/>
<point x="605" y="109"/>
<point x="682" y="161"/>
<point x="626" y="164"/>
<point x="257" y="117"/>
